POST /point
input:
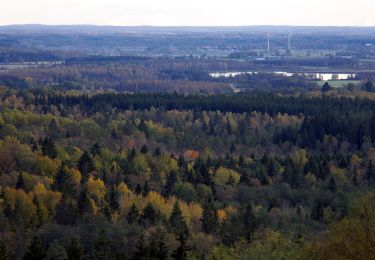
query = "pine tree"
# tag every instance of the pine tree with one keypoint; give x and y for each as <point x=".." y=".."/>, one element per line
<point x="370" y="173"/>
<point x="141" y="250"/>
<point x="113" y="200"/>
<point x="35" y="251"/>
<point x="85" y="166"/>
<point x="49" y="148"/>
<point x="172" y="179"/>
<point x="318" y="212"/>
<point x="355" y="177"/>
<point x="162" y="251"/>
<point x="332" y="185"/>
<point x="133" y="214"/>
<point x="149" y="215"/>
<point x="176" y="221"/>
<point x="63" y="182"/>
<point x="138" y="189"/>
<point x="144" y="149"/>
<point x="209" y="219"/>
<point x="20" y="182"/>
<point x="181" y="252"/>
<point x="249" y="221"/>
<point x="74" y="250"/>
<point x="102" y="247"/>
<point x="4" y="254"/>
<point x="146" y="189"/>
<point x="96" y="149"/>
<point x="66" y="212"/>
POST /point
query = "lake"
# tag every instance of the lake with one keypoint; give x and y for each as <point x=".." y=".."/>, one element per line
<point x="309" y="75"/>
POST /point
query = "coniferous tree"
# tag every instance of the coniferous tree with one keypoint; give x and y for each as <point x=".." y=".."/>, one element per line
<point x="249" y="221"/>
<point x="141" y="250"/>
<point x="144" y="149"/>
<point x="35" y="251"/>
<point x="370" y="173"/>
<point x="4" y="254"/>
<point x="102" y="247"/>
<point x="138" y="189"/>
<point x="146" y="189"/>
<point x="96" y="149"/>
<point x="49" y="148"/>
<point x="209" y="219"/>
<point x="318" y="212"/>
<point x="332" y="185"/>
<point x="63" y="182"/>
<point x="85" y="166"/>
<point x="74" y="250"/>
<point x="149" y="215"/>
<point x="171" y="181"/>
<point x="20" y="181"/>
<point x="66" y="212"/>
<point x="181" y="252"/>
<point x="176" y="221"/>
<point x="133" y="214"/>
<point x="113" y="200"/>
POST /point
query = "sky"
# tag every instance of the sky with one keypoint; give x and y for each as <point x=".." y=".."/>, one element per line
<point x="189" y="12"/>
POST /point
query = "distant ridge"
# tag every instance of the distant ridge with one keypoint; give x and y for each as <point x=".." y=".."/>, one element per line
<point x="103" y="29"/>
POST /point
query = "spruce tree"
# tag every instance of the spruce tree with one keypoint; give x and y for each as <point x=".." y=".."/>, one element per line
<point x="35" y="251"/>
<point x="133" y="214"/>
<point x="74" y="250"/>
<point x="20" y="181"/>
<point x="249" y="221"/>
<point x="332" y="185"/>
<point x="49" y="148"/>
<point x="209" y="219"/>
<point x="85" y="166"/>
<point x="176" y="221"/>
<point x="146" y="189"/>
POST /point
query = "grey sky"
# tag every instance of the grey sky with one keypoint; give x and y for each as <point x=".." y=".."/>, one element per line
<point x="191" y="12"/>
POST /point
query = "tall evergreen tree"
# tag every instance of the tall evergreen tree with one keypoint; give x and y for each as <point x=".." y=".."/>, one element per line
<point x="176" y="221"/>
<point x="20" y="181"/>
<point x="85" y="166"/>
<point x="49" y="148"/>
<point x="35" y="251"/>
<point x="249" y="221"/>
<point x="133" y="214"/>
<point x="74" y="250"/>
<point x="209" y="219"/>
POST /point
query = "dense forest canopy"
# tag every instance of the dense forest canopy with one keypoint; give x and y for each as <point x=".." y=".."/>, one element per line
<point x="127" y="146"/>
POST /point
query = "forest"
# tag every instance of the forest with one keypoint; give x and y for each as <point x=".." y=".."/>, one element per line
<point x="161" y="176"/>
<point x="125" y="145"/>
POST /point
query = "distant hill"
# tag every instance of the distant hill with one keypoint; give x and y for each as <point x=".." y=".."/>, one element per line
<point x="90" y="29"/>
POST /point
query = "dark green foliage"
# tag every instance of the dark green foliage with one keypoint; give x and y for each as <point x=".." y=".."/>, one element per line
<point x="249" y="221"/>
<point x="49" y="148"/>
<point x="210" y="221"/>
<point x="332" y="185"/>
<point x="133" y="214"/>
<point x="63" y="182"/>
<point x="318" y="212"/>
<point x="146" y="189"/>
<point x="176" y="221"/>
<point x="149" y="216"/>
<point x="66" y="212"/>
<point x="326" y="87"/>
<point x="171" y="181"/>
<point x="85" y="166"/>
<point x="96" y="149"/>
<point x="20" y="182"/>
<point x="35" y="250"/>
<point x="74" y="250"/>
